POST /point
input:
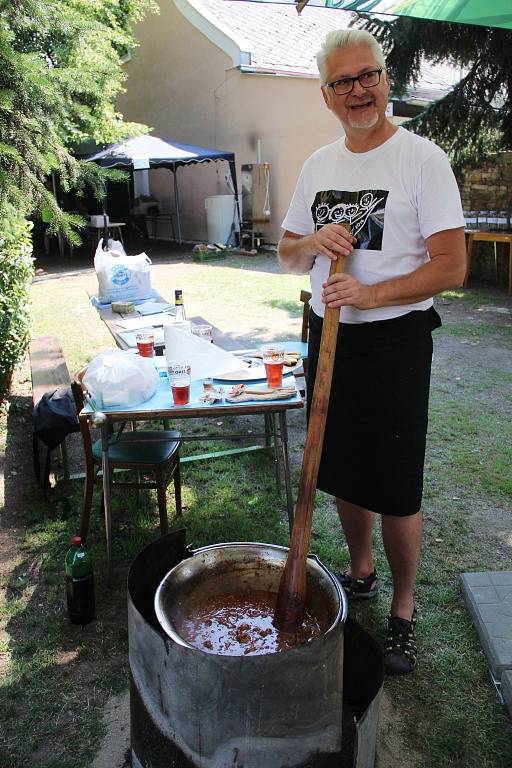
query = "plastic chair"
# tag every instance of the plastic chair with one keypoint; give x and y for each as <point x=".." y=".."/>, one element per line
<point x="155" y="451"/>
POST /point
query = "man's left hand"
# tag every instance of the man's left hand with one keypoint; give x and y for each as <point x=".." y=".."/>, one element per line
<point x="343" y="290"/>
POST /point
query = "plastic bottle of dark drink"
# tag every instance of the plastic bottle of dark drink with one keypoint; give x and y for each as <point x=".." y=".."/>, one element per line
<point x="79" y="583"/>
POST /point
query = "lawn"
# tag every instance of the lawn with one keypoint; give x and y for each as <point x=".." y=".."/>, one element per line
<point x="56" y="678"/>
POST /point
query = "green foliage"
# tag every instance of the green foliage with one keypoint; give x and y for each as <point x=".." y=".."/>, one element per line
<point x="16" y="271"/>
<point x="61" y="71"/>
<point x="474" y="118"/>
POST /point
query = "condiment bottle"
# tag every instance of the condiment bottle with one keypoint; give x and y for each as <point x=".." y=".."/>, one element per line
<point x="79" y="583"/>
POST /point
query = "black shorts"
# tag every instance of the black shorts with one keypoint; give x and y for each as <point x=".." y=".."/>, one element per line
<point x="374" y="443"/>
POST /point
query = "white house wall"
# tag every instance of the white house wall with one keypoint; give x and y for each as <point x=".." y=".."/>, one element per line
<point x="185" y="87"/>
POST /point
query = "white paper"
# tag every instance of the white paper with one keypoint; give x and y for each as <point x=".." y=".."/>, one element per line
<point x="153" y="307"/>
<point x="136" y="323"/>
<point x="205" y="359"/>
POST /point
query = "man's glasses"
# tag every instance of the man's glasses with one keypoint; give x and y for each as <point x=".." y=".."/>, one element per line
<point x="345" y="85"/>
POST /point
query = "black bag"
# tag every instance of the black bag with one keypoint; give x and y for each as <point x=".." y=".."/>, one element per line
<point x="53" y="419"/>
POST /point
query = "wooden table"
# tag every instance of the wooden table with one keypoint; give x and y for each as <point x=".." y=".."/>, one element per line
<point x="482" y="236"/>
<point x="161" y="407"/>
<point x="111" y="319"/>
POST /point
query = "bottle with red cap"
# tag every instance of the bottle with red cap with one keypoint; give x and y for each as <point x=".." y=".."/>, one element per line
<point x="79" y="583"/>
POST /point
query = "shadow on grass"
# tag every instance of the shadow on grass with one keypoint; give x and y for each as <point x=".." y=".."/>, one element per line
<point x="59" y="675"/>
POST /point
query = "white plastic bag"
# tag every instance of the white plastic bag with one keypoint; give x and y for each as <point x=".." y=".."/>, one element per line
<point x="115" y="245"/>
<point x="121" y="277"/>
<point x="118" y="379"/>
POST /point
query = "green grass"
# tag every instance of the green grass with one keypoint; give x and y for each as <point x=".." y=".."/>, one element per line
<point x="59" y="677"/>
<point x="478" y="331"/>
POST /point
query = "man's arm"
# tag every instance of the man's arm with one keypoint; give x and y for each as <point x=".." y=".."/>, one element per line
<point x="446" y="269"/>
<point x="297" y="253"/>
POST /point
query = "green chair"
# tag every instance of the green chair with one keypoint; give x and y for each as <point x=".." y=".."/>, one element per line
<point x="155" y="451"/>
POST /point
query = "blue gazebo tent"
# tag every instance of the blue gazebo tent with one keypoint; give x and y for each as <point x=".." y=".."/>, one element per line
<point x="146" y="152"/>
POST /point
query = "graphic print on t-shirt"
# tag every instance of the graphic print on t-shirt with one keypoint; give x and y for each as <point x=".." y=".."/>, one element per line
<point x="363" y="210"/>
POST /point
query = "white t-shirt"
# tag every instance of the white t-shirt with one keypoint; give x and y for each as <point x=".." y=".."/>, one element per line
<point x="394" y="197"/>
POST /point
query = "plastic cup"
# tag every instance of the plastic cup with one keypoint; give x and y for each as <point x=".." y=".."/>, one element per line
<point x="180" y="389"/>
<point x="203" y="332"/>
<point x="273" y="360"/>
<point x="179" y="379"/>
<point x="145" y="344"/>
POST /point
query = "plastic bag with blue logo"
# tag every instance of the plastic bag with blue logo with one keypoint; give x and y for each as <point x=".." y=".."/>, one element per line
<point x="121" y="277"/>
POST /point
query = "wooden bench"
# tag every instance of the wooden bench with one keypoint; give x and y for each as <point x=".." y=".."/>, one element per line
<point x="49" y="372"/>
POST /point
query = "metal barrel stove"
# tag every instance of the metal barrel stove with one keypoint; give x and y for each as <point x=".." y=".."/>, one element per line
<point x="311" y="706"/>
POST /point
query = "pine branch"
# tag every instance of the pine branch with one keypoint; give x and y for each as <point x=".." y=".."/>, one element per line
<point x="475" y="117"/>
<point x="60" y="74"/>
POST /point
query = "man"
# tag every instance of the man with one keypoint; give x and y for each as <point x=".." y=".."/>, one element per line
<point x="399" y="196"/>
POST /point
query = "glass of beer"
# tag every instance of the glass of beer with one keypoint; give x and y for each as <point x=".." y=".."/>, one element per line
<point x="179" y="379"/>
<point x="145" y="344"/>
<point x="273" y="359"/>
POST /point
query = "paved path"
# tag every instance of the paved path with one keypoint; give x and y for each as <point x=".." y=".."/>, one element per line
<point x="488" y="596"/>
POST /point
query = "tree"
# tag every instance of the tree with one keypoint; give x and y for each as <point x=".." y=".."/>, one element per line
<point x="476" y="116"/>
<point x="60" y="72"/>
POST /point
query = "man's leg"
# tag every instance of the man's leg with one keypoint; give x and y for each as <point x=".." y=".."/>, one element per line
<point x="402" y="543"/>
<point x="357" y="523"/>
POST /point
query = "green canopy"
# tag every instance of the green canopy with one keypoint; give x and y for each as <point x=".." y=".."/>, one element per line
<point x="486" y="13"/>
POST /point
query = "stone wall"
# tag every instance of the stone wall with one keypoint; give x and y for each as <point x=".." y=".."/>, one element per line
<point x="489" y="187"/>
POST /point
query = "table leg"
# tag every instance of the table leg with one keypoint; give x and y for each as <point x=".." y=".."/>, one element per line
<point x="469" y="253"/>
<point x="268" y="430"/>
<point x="276" y="450"/>
<point x="510" y="268"/>
<point x="105" y="467"/>
<point x="65" y="460"/>
<point x="283" y="429"/>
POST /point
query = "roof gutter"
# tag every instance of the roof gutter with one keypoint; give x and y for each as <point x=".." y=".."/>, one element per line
<point x="234" y="46"/>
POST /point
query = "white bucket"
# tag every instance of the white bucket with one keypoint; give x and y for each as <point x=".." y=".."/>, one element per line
<point x="222" y="217"/>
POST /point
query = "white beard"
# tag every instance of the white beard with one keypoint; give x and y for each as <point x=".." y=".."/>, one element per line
<point x="356" y="122"/>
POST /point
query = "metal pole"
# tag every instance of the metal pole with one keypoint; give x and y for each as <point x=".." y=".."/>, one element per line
<point x="177" y="204"/>
<point x="275" y="435"/>
<point x="105" y="218"/>
<point x="105" y="466"/>
<point x="283" y="428"/>
<point x="100" y="419"/>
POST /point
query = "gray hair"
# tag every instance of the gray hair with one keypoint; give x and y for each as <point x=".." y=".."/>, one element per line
<point x="343" y="38"/>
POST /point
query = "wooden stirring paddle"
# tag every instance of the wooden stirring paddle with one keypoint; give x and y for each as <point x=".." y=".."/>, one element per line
<point x="291" y="597"/>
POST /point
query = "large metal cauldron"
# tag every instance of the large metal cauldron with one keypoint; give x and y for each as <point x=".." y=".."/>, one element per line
<point x="268" y="711"/>
<point x="191" y="709"/>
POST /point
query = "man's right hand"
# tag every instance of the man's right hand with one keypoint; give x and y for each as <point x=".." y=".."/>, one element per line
<point x="297" y="253"/>
<point x="333" y="240"/>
